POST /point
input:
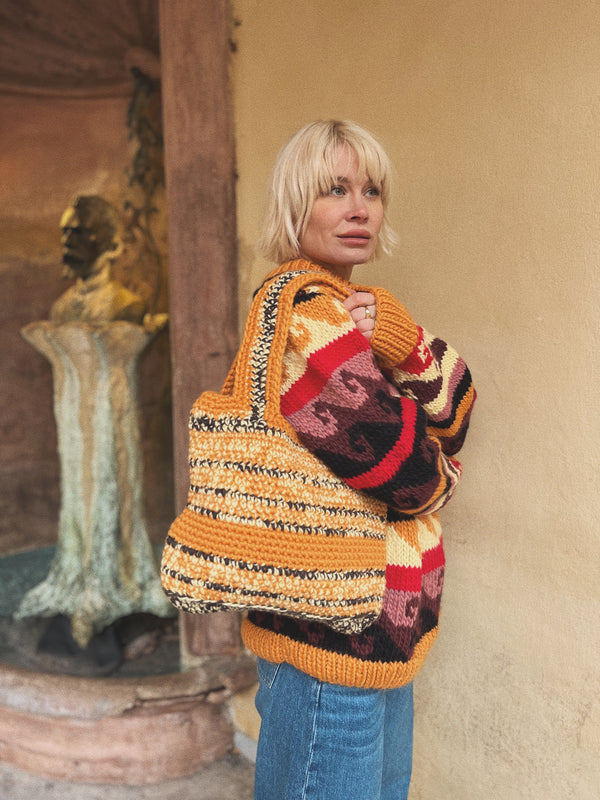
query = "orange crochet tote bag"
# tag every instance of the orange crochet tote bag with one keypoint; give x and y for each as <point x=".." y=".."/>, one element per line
<point x="267" y="525"/>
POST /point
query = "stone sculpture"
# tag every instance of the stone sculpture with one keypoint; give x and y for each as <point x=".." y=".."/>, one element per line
<point x="90" y="246"/>
<point x="104" y="567"/>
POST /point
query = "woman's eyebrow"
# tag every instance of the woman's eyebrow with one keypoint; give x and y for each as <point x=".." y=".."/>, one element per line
<point x="343" y="179"/>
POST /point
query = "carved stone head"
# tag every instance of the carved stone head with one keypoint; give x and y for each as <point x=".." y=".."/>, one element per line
<point x="89" y="229"/>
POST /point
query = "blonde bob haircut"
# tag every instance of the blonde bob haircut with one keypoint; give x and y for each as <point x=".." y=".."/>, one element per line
<point x="304" y="171"/>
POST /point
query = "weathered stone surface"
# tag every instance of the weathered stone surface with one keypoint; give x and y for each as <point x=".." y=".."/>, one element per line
<point x="93" y="698"/>
<point x="233" y="777"/>
<point x="131" y="731"/>
<point x="104" y="567"/>
<point x="150" y="744"/>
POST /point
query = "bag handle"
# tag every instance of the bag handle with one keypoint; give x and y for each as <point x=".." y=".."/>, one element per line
<point x="259" y="363"/>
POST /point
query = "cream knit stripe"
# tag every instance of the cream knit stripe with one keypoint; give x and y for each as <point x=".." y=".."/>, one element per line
<point x="450" y="368"/>
<point x="328" y="321"/>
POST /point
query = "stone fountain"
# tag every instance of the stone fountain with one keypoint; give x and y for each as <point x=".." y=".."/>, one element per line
<point x="136" y="728"/>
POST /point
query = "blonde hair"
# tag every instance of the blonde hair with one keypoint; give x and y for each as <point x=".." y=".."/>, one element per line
<point x="304" y="171"/>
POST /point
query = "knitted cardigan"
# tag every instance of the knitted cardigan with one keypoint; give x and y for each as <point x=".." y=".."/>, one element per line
<point x="386" y="416"/>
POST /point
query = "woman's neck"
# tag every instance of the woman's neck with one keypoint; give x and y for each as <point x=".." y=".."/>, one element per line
<point x="343" y="271"/>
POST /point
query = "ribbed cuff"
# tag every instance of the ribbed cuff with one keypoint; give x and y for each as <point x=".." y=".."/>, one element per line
<point x="396" y="334"/>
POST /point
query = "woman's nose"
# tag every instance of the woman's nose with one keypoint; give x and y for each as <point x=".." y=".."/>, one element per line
<point x="358" y="208"/>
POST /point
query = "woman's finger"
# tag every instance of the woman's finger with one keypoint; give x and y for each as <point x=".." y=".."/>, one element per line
<point x="359" y="299"/>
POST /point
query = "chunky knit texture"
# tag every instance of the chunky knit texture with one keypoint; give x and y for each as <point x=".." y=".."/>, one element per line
<point x="387" y="417"/>
<point x="267" y="523"/>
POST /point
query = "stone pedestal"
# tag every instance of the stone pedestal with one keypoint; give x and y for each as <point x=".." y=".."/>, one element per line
<point x="104" y="567"/>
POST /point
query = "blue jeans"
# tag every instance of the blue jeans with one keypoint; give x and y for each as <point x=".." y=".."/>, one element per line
<point x="320" y="741"/>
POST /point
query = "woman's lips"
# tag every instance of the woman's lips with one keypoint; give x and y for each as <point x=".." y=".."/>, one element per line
<point x="356" y="237"/>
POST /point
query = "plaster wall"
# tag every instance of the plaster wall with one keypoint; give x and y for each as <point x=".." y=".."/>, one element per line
<point x="490" y="112"/>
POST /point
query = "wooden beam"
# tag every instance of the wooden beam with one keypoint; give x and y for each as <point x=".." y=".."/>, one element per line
<point x="200" y="175"/>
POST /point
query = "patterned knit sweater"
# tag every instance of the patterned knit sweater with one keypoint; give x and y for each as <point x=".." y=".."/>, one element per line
<point x="387" y="416"/>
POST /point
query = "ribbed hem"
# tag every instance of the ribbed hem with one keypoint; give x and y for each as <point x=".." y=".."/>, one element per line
<point x="396" y="334"/>
<point x="331" y="667"/>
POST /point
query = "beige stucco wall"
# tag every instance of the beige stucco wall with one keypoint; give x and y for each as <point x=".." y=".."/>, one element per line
<point x="491" y="113"/>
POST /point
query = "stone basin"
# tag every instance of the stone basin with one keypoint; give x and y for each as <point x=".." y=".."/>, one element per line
<point x="132" y="730"/>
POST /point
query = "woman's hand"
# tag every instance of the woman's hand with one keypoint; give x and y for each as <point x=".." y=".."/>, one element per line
<point x="363" y="311"/>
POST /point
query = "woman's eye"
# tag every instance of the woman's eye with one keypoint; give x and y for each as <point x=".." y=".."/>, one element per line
<point x="372" y="191"/>
<point x="337" y="191"/>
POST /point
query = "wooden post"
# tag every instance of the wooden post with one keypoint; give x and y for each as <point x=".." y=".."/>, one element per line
<point x="200" y="175"/>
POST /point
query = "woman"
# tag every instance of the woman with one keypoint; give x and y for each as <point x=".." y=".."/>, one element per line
<point x="336" y="709"/>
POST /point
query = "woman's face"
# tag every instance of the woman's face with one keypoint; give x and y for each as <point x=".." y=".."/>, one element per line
<point x="344" y="224"/>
